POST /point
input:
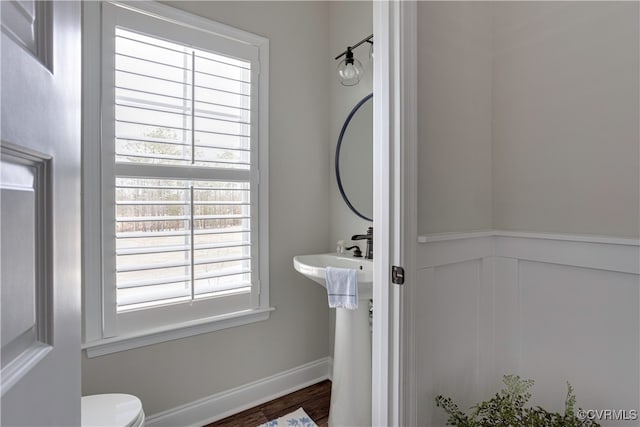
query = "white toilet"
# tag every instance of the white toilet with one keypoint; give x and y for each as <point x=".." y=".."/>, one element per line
<point x="112" y="410"/>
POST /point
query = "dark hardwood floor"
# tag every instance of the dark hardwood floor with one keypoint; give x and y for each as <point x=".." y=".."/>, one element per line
<point x="314" y="400"/>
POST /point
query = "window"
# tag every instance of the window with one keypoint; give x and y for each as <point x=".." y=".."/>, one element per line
<point x="183" y="152"/>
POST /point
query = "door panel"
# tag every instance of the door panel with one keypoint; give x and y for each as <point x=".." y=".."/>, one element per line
<point x="40" y="213"/>
<point x="25" y="235"/>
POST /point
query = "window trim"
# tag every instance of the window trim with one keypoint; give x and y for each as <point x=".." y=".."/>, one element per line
<point x="96" y="340"/>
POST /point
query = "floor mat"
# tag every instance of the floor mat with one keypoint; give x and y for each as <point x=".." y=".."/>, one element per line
<point x="298" y="418"/>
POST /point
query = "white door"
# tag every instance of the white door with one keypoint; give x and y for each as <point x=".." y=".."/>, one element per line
<point x="395" y="211"/>
<point x="40" y="213"/>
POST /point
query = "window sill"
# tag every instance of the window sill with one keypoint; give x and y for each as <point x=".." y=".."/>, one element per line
<point x="187" y="329"/>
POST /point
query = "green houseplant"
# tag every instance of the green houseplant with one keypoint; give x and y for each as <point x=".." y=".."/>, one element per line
<point x="507" y="409"/>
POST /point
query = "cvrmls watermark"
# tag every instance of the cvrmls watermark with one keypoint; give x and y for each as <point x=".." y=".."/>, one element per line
<point x="607" y="414"/>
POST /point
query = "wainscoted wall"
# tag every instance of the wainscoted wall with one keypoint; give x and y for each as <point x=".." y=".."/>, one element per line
<point x="550" y="307"/>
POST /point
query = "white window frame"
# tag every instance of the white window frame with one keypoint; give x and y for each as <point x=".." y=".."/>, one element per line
<point x="106" y="331"/>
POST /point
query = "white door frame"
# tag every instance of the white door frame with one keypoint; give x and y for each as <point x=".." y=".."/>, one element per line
<point x="395" y="210"/>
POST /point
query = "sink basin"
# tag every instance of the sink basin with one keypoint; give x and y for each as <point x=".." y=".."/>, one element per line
<point x="313" y="267"/>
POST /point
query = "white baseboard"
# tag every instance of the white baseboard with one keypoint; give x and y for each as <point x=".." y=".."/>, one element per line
<point x="229" y="402"/>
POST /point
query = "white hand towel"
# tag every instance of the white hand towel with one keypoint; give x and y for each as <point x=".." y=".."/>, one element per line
<point x="342" y="287"/>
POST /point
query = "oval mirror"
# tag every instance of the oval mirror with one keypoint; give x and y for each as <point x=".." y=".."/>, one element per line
<point x="354" y="159"/>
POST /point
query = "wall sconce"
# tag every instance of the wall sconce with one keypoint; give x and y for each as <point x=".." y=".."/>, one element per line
<point x="350" y="69"/>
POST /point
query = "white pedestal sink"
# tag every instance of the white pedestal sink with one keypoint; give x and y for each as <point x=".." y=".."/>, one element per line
<point x="351" y="387"/>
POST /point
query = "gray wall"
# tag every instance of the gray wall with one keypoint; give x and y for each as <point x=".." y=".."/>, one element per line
<point x="349" y="22"/>
<point x="565" y="117"/>
<point x="454" y="116"/>
<point x="528" y="117"/>
<point x="173" y="373"/>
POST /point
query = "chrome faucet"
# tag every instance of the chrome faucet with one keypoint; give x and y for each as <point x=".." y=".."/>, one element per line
<point x="369" y="238"/>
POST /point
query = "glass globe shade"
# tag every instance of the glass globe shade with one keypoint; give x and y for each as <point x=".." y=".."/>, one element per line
<point x="350" y="70"/>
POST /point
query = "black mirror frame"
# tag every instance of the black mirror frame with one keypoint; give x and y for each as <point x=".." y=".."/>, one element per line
<point x="337" y="162"/>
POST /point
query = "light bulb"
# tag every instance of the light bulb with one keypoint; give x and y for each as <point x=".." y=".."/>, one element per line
<point x="349" y="70"/>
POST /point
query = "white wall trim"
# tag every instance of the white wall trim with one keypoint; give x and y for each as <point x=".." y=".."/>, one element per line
<point x="394" y="200"/>
<point x="587" y="238"/>
<point x="384" y="139"/>
<point x="451" y="251"/>
<point x="179" y="330"/>
<point x="612" y="256"/>
<point x="441" y="237"/>
<point x="596" y="252"/>
<point x="186" y="19"/>
<point x="229" y="402"/>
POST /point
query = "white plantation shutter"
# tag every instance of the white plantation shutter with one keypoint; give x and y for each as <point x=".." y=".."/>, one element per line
<point x="180" y="173"/>
<point x="176" y="105"/>
<point x="180" y="107"/>
<point x="180" y="240"/>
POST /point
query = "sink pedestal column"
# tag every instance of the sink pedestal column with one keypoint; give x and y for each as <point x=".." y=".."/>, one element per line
<point x="351" y="388"/>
